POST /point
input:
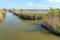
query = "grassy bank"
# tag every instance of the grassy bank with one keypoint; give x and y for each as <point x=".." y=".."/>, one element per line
<point x="53" y="19"/>
<point x="2" y="15"/>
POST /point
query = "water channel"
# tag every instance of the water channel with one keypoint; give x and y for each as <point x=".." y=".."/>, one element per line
<point x="13" y="28"/>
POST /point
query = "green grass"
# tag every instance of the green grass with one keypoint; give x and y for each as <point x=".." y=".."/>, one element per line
<point x="57" y="28"/>
<point x="39" y="15"/>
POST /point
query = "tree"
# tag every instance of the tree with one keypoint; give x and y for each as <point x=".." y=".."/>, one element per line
<point x="53" y="12"/>
<point x="58" y="13"/>
<point x="21" y="10"/>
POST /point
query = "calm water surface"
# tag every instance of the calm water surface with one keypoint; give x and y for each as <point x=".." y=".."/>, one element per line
<point x="13" y="28"/>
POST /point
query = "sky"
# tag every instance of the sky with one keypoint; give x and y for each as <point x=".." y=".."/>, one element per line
<point x="29" y="4"/>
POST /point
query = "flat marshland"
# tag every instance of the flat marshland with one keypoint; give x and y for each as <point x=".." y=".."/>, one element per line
<point x="14" y="28"/>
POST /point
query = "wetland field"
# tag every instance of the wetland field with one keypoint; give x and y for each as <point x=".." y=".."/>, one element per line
<point x="12" y="27"/>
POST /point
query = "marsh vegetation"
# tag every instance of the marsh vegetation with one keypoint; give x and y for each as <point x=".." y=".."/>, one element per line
<point x="14" y="28"/>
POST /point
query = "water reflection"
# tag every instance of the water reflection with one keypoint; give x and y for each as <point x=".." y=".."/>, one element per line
<point x="35" y="23"/>
<point x="30" y="21"/>
<point x="14" y="28"/>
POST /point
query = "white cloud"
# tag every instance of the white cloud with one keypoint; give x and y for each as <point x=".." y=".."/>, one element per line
<point x="36" y="6"/>
<point x="53" y="1"/>
<point x="33" y="4"/>
<point x="29" y="3"/>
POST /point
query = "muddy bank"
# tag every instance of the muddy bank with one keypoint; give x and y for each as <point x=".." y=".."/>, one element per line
<point x="26" y="15"/>
<point x="29" y="17"/>
<point x="50" y="29"/>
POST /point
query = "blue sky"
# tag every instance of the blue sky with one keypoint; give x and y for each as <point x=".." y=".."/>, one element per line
<point x="29" y="4"/>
